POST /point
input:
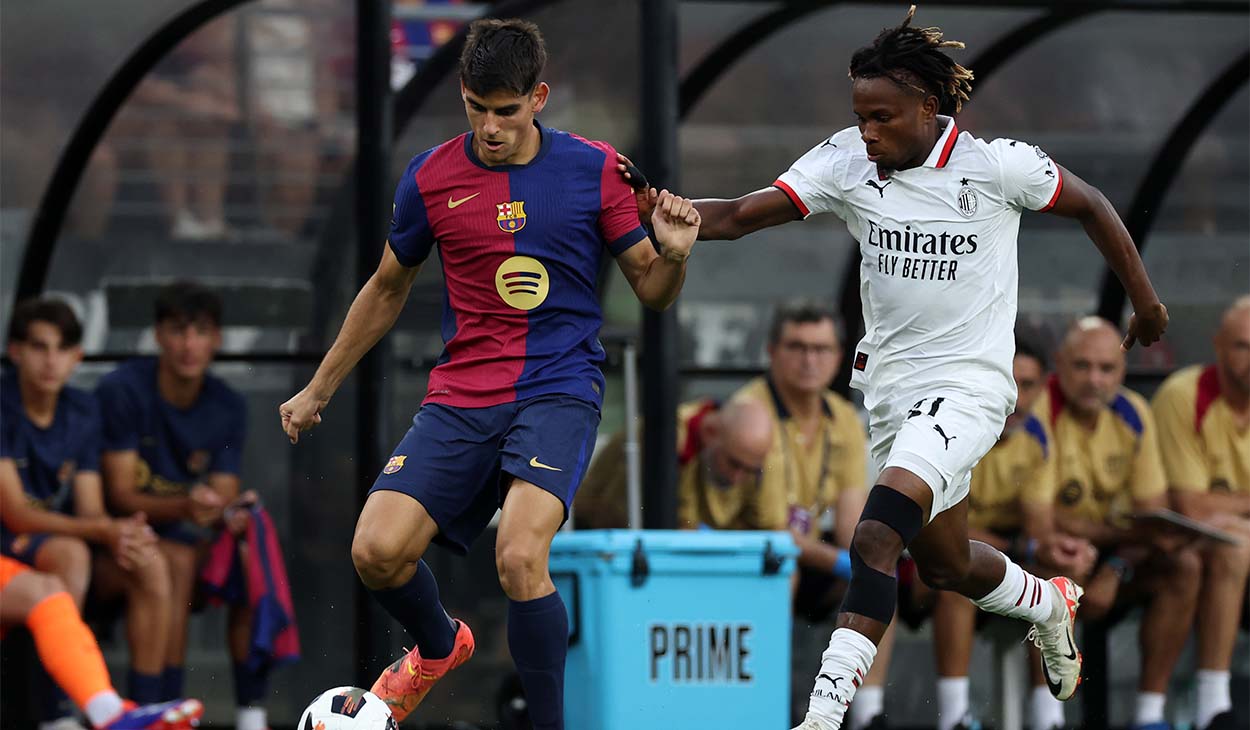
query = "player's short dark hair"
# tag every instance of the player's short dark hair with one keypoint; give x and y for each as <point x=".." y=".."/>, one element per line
<point x="1028" y="346"/>
<point x="502" y="55"/>
<point x="186" y="301"/>
<point x="802" y="311"/>
<point x="45" y="309"/>
<point x="913" y="58"/>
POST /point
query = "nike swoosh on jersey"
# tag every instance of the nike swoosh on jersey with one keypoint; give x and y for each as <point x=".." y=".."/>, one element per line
<point x="534" y="462"/>
<point x="455" y="203"/>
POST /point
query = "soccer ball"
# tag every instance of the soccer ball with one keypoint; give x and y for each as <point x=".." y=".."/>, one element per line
<point x="347" y="708"/>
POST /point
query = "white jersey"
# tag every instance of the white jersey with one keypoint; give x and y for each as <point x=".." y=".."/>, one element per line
<point x="939" y="273"/>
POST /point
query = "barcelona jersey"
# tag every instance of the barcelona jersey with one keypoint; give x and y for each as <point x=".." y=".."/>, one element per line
<point x="177" y="448"/>
<point x="49" y="458"/>
<point x="521" y="248"/>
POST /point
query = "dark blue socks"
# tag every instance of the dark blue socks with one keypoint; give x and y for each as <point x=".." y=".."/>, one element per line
<point x="171" y="683"/>
<point x="416" y="606"/>
<point x="538" y="636"/>
<point x="250" y="686"/>
<point x="145" y="689"/>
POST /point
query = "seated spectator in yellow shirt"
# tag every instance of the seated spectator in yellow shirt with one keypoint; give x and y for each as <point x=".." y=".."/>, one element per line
<point x="720" y="452"/>
<point x="720" y="456"/>
<point x="1203" y="414"/>
<point x="1108" y="467"/>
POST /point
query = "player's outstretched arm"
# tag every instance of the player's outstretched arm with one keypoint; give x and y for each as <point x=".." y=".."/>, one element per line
<point x="723" y="220"/>
<point x="657" y="278"/>
<point x="729" y="220"/>
<point x="372" y="315"/>
<point x="1084" y="202"/>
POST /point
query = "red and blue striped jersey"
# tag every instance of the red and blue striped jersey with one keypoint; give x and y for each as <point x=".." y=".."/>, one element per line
<point x="521" y="248"/>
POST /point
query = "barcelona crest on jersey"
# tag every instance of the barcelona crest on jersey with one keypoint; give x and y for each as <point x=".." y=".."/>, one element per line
<point x="511" y="216"/>
<point x="395" y="464"/>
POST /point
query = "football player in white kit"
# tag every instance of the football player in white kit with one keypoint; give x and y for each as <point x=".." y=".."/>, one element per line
<point x="936" y="213"/>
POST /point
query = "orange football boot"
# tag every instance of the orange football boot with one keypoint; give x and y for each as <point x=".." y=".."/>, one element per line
<point x="404" y="684"/>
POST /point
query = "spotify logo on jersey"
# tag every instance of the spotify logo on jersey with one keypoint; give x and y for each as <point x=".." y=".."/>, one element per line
<point x="522" y="282"/>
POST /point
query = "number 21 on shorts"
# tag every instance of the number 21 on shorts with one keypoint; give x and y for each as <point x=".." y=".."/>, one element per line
<point x="933" y="409"/>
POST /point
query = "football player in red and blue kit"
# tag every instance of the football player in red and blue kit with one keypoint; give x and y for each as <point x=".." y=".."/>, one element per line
<point x="522" y="215"/>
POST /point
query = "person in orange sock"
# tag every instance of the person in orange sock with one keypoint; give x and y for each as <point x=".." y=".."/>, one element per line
<point x="52" y="506"/>
<point x="72" y="657"/>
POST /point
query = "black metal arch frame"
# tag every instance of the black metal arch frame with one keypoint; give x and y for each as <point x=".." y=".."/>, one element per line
<point x="738" y="44"/>
<point x="46" y="223"/>
<point x="1165" y="167"/>
<point x="1151" y="190"/>
<point x="49" y="215"/>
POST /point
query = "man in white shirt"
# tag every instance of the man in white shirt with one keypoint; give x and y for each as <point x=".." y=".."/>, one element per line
<point x="936" y="214"/>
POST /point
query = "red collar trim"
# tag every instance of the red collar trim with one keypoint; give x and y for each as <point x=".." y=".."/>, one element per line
<point x="1208" y="391"/>
<point x="950" y="145"/>
<point x="1057" y="401"/>
<point x="694" y="442"/>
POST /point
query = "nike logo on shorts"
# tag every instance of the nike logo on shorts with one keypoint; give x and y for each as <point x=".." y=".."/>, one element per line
<point x="534" y="462"/>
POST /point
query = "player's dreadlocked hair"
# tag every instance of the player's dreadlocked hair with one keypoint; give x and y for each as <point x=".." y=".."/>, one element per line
<point x="912" y="57"/>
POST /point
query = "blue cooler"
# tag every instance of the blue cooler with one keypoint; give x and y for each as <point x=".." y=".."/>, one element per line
<point x="675" y="629"/>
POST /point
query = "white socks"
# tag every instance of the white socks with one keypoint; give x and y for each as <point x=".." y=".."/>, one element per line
<point x="251" y="718"/>
<point x="843" y="667"/>
<point x="1023" y="596"/>
<point x="869" y="702"/>
<point x="1214" y="696"/>
<point x="103" y="708"/>
<point x="1149" y="708"/>
<point x="952" y="701"/>
<point x="1046" y="711"/>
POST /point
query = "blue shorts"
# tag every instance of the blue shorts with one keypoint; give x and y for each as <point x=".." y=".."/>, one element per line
<point x="458" y="462"/>
<point x="22" y="547"/>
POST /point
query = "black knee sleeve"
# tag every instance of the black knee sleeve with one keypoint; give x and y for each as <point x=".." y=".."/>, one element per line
<point x="871" y="592"/>
<point x="895" y="510"/>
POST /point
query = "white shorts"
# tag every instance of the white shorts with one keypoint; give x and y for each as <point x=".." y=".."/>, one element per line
<point x="938" y="438"/>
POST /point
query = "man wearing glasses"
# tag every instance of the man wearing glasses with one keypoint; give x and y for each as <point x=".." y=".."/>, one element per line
<point x="817" y="465"/>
